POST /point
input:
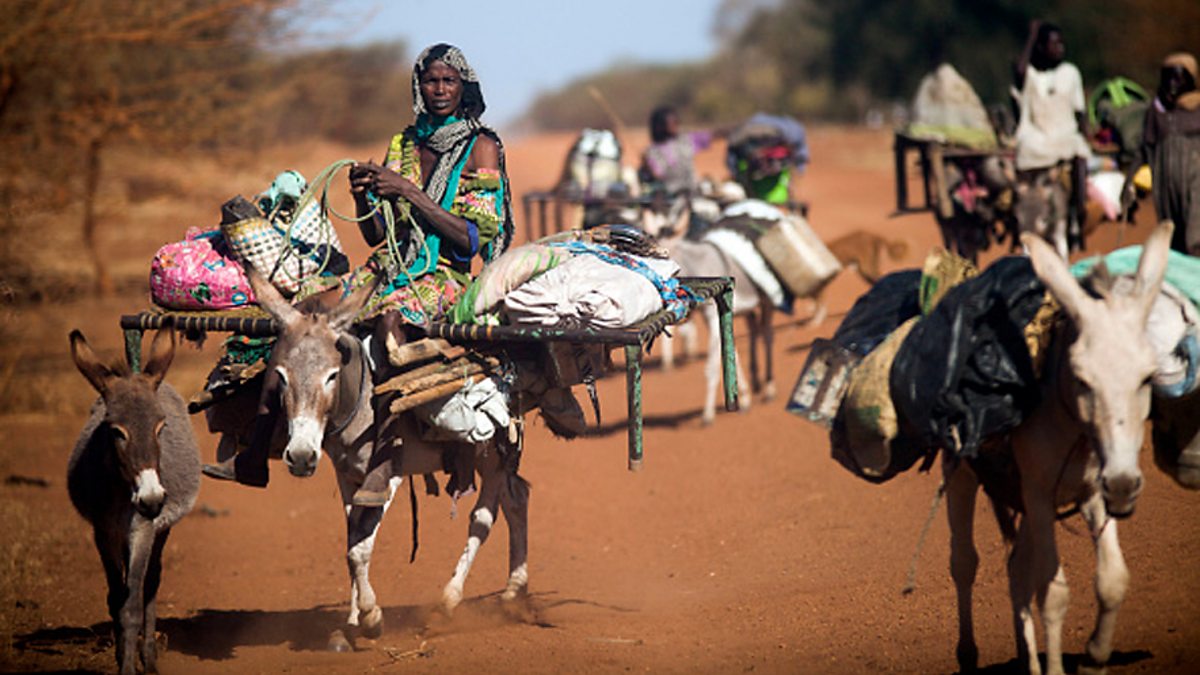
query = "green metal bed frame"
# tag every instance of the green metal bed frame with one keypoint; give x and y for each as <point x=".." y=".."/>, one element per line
<point x="635" y="340"/>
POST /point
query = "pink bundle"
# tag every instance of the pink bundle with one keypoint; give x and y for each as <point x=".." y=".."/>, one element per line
<point x="197" y="274"/>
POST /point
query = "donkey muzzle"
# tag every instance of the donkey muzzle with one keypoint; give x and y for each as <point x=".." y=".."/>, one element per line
<point x="148" y="494"/>
<point x="303" y="450"/>
<point x="1120" y="492"/>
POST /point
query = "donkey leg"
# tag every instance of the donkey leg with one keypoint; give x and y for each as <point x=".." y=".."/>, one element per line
<point x="483" y="516"/>
<point x="109" y="546"/>
<point x="961" y="489"/>
<point x="667" y="344"/>
<point x="712" y="366"/>
<point x="767" y="316"/>
<point x="1032" y="567"/>
<point x="1054" y="600"/>
<point x="141" y="544"/>
<point x="362" y="526"/>
<point x="1112" y="580"/>
<point x="691" y="337"/>
<point x="150" y="606"/>
<point x="514" y="502"/>
<point x="754" y="328"/>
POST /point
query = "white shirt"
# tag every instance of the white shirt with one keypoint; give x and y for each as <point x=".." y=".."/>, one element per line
<point x="1048" y="132"/>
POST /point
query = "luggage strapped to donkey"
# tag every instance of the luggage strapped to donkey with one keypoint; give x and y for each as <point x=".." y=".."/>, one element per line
<point x="251" y="321"/>
<point x="635" y="340"/>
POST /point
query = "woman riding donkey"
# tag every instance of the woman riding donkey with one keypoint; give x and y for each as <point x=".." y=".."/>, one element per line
<point x="444" y="181"/>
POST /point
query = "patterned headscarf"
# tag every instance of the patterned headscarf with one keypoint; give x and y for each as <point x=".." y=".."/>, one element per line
<point x="451" y="56"/>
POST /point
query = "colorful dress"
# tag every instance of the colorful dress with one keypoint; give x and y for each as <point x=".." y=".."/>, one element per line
<point x="432" y="272"/>
<point x="669" y="166"/>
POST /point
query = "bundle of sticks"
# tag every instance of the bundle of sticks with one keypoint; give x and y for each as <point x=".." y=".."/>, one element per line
<point x="432" y="368"/>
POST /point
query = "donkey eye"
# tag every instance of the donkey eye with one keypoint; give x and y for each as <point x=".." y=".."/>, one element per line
<point x="283" y="379"/>
<point x="331" y="378"/>
<point x="158" y="428"/>
<point x="120" y="433"/>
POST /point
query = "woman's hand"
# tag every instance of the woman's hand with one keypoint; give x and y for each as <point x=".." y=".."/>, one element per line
<point x="362" y="178"/>
<point x="380" y="181"/>
<point x="389" y="185"/>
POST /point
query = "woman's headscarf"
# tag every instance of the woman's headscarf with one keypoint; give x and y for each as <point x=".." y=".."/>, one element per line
<point x="472" y="104"/>
<point x="1189" y="100"/>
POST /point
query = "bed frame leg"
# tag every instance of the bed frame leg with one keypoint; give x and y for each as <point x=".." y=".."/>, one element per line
<point x="728" y="355"/>
<point x="633" y="393"/>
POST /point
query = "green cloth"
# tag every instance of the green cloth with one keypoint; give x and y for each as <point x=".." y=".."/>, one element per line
<point x="771" y="189"/>
<point x="1183" y="271"/>
<point x="976" y="139"/>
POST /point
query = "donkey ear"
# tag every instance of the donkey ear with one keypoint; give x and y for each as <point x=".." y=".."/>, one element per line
<point x="1153" y="265"/>
<point x="162" y="351"/>
<point x="348" y="309"/>
<point x="93" y="369"/>
<point x="270" y="299"/>
<point x="1053" y="272"/>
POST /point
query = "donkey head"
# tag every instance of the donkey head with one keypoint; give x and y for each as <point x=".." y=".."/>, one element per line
<point x="133" y="419"/>
<point x="307" y="359"/>
<point x="1110" y="361"/>
<point x="1041" y="207"/>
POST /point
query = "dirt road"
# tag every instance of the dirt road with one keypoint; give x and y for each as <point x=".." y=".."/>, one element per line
<point x="739" y="547"/>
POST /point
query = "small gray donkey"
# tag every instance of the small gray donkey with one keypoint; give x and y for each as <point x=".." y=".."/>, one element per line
<point x="135" y="471"/>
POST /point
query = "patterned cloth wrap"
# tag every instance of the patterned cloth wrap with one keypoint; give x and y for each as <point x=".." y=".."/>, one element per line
<point x="676" y="297"/>
<point x="510" y="270"/>
<point x="198" y="274"/>
<point x="425" y="286"/>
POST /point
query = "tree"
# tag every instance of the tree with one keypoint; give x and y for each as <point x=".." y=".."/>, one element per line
<point x="79" y="75"/>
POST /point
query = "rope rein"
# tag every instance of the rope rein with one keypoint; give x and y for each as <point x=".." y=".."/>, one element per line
<point x="910" y="583"/>
<point x="318" y="189"/>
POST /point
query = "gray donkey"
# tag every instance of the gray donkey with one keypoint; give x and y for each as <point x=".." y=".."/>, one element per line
<point x="313" y="356"/>
<point x="135" y="471"/>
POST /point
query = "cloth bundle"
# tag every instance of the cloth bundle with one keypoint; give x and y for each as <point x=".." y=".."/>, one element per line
<point x="198" y="274"/>
<point x="586" y="291"/>
<point x="585" y="279"/>
<point x="472" y="414"/>
<point x="1174" y="323"/>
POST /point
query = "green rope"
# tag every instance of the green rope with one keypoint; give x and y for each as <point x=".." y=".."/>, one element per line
<point x="319" y="189"/>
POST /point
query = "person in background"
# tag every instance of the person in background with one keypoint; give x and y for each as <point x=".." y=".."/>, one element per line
<point x="668" y="166"/>
<point x="765" y="153"/>
<point x="1171" y="147"/>
<point x="1051" y="122"/>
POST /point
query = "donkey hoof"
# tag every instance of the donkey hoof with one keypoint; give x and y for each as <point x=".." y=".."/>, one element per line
<point x="338" y="643"/>
<point x="769" y="392"/>
<point x="372" y="624"/>
<point x="451" y="599"/>
<point x="967" y="657"/>
<point x="513" y="592"/>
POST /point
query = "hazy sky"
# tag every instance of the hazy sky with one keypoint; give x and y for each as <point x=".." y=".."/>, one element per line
<point x="522" y="47"/>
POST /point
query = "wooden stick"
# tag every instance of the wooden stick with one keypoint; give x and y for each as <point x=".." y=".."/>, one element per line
<point x="407" y="403"/>
<point x="437" y="379"/>
<point x="418" y="378"/>
<point x="416" y="352"/>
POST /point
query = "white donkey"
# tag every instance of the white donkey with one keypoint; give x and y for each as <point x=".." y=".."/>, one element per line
<point x="1078" y="448"/>
<point x="312" y="355"/>
<point x="702" y="259"/>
